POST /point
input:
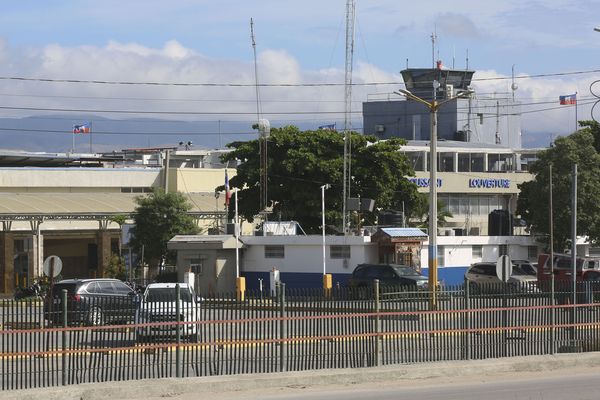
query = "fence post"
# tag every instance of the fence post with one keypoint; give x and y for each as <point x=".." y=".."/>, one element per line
<point x="467" y="322"/>
<point x="377" y="327"/>
<point x="177" y="331"/>
<point x="282" y="328"/>
<point x="64" y="336"/>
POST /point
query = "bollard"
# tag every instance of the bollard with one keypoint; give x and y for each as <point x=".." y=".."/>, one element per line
<point x="327" y="285"/>
<point x="240" y="288"/>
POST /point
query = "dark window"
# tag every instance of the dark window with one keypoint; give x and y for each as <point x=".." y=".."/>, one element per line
<point x="274" y="251"/>
<point x="92" y="288"/>
<point x="337" y="252"/>
<point x="360" y="272"/>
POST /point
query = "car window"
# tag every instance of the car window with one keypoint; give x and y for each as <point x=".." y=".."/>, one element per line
<point x="360" y="272"/>
<point x="121" y="288"/>
<point x="166" y="295"/>
<point x="387" y="273"/>
<point x="58" y="287"/>
<point x="489" y="269"/>
<point x="406" y="271"/>
<point x="92" y="287"/>
<point x="105" y="288"/>
<point x="523" y="269"/>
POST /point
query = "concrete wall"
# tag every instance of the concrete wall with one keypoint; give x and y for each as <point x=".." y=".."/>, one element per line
<point x="63" y="179"/>
<point x="198" y="180"/>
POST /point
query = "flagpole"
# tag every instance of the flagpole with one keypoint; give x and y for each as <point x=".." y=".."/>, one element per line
<point x="91" y="137"/>
<point x="73" y="136"/>
<point x="576" y="105"/>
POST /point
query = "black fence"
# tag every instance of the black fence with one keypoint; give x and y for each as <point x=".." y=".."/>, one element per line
<point x="69" y="339"/>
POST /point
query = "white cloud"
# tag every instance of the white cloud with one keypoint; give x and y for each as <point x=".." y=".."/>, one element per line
<point x="175" y="63"/>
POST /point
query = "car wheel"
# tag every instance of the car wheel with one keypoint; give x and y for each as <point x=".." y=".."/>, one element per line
<point x="95" y="316"/>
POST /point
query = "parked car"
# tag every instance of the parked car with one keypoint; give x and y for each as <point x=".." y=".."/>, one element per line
<point x="388" y="274"/>
<point x="91" y="302"/>
<point x="483" y="278"/>
<point x="159" y="305"/>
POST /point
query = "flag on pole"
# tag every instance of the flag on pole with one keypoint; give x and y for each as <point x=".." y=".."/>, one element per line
<point x="227" y="192"/>
<point x="568" y="99"/>
<point x="83" y="128"/>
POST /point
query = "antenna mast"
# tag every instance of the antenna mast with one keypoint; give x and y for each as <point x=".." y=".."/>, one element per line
<point x="350" y="18"/>
<point x="264" y="130"/>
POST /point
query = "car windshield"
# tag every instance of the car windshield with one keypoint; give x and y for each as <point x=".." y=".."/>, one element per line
<point x="406" y="271"/>
<point x="166" y="295"/>
<point x="523" y="269"/>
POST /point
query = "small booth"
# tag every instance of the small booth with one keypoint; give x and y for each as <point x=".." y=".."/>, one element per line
<point x="400" y="245"/>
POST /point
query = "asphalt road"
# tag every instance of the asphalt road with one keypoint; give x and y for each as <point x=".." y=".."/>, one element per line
<point x="576" y="384"/>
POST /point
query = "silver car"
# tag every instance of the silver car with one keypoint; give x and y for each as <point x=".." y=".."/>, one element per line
<point x="483" y="278"/>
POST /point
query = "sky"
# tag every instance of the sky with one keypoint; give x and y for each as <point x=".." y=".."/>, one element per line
<point x="201" y="54"/>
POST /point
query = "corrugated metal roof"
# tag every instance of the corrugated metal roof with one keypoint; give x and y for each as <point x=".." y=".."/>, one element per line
<point x="404" y="232"/>
<point x="82" y="203"/>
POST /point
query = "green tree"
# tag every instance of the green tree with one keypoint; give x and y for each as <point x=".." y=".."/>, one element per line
<point x="158" y="217"/>
<point x="299" y="162"/>
<point x="579" y="148"/>
<point x="116" y="268"/>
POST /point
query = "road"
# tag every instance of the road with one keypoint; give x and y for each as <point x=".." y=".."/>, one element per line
<point x="578" y="385"/>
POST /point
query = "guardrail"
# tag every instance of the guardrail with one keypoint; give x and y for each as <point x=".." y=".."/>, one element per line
<point x="293" y="331"/>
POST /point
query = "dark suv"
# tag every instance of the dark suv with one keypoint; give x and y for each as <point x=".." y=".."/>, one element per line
<point x="387" y="274"/>
<point x="91" y="302"/>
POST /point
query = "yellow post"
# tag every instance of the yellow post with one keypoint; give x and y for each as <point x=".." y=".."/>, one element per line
<point x="240" y="288"/>
<point x="327" y="284"/>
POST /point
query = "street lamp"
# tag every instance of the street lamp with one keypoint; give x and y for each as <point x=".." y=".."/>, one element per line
<point x="323" y="188"/>
<point x="433" y="107"/>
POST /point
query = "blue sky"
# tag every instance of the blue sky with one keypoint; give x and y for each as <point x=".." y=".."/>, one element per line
<point x="298" y="42"/>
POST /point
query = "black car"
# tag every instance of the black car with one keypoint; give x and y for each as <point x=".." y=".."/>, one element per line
<point x="91" y="302"/>
<point x="389" y="275"/>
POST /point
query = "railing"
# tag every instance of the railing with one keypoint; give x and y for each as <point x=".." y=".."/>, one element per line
<point x="56" y="342"/>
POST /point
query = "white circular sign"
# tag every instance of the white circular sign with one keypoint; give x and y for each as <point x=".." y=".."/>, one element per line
<point x="52" y="266"/>
<point x="504" y="268"/>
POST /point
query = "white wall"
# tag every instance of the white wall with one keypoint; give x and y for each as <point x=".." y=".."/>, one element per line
<point x="305" y="253"/>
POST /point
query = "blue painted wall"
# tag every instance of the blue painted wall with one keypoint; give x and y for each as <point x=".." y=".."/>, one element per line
<point x="301" y="280"/>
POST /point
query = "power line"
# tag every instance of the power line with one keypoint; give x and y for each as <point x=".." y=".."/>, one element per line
<point x="252" y="85"/>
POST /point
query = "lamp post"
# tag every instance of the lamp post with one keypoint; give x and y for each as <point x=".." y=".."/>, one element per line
<point x="433" y="107"/>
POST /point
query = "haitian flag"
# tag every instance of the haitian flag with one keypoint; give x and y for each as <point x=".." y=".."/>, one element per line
<point x="568" y="99"/>
<point x="84" y="128"/>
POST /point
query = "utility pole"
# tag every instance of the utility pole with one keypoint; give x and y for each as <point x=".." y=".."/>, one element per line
<point x="350" y="17"/>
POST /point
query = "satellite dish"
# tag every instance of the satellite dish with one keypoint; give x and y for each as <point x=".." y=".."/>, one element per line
<point x="52" y="266"/>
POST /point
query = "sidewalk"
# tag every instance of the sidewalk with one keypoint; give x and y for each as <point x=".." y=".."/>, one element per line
<point x="187" y="388"/>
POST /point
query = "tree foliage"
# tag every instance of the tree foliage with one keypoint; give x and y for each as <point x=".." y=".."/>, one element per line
<point x="158" y="217"/>
<point x="300" y="162"/>
<point x="581" y="148"/>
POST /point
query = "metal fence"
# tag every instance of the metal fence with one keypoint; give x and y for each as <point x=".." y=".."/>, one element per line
<point x="65" y="341"/>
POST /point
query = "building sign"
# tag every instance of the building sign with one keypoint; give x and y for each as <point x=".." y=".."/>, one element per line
<point x="424" y="182"/>
<point x="489" y="183"/>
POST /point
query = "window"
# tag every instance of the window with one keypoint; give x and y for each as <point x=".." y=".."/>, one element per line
<point x="440" y="256"/>
<point x="274" y="251"/>
<point x="337" y="252"/>
<point x="477" y="251"/>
